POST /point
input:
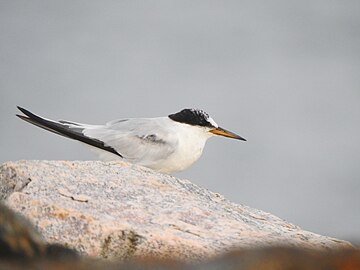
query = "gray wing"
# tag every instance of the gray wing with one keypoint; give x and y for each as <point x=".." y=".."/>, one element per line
<point x="140" y="141"/>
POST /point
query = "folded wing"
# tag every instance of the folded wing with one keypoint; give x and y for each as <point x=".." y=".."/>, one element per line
<point x="142" y="141"/>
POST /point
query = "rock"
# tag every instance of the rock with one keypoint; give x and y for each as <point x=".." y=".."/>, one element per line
<point x="125" y="211"/>
<point x="22" y="247"/>
<point x="20" y="240"/>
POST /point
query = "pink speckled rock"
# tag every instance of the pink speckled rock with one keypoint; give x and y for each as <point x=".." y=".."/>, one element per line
<point x="122" y="210"/>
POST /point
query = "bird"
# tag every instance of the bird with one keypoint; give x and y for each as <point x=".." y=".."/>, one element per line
<point x="165" y="144"/>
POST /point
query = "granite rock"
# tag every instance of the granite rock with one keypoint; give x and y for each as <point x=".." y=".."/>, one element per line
<point x="120" y="210"/>
<point x="20" y="240"/>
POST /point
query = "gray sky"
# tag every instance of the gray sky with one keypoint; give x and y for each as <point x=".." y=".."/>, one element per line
<point x="283" y="74"/>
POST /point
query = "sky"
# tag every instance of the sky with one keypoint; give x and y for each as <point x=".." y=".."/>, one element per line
<point x="285" y="75"/>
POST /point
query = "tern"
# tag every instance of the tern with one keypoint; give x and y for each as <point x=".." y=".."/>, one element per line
<point x="165" y="144"/>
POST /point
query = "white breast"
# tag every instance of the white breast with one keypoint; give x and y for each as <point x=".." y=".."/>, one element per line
<point x="191" y="141"/>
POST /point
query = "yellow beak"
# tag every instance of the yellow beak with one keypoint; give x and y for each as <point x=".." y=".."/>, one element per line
<point x="223" y="132"/>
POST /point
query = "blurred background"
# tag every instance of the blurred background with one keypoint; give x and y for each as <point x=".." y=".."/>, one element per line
<point x="283" y="74"/>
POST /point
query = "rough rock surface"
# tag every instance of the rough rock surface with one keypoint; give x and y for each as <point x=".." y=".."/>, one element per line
<point x="20" y="240"/>
<point x="122" y="210"/>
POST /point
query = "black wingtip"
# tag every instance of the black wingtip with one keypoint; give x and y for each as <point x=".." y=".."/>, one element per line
<point x="24" y="111"/>
<point x="21" y="116"/>
<point x="63" y="130"/>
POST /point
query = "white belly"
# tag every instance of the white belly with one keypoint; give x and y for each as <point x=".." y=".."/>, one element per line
<point x="187" y="152"/>
<point x="181" y="159"/>
<point x="178" y="161"/>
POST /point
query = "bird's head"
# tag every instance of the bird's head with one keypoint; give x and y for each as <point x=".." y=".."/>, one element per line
<point x="196" y="117"/>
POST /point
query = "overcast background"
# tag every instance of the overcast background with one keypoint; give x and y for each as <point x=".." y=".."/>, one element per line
<point x="283" y="74"/>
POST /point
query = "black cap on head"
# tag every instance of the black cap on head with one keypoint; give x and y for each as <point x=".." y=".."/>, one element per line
<point x="193" y="117"/>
